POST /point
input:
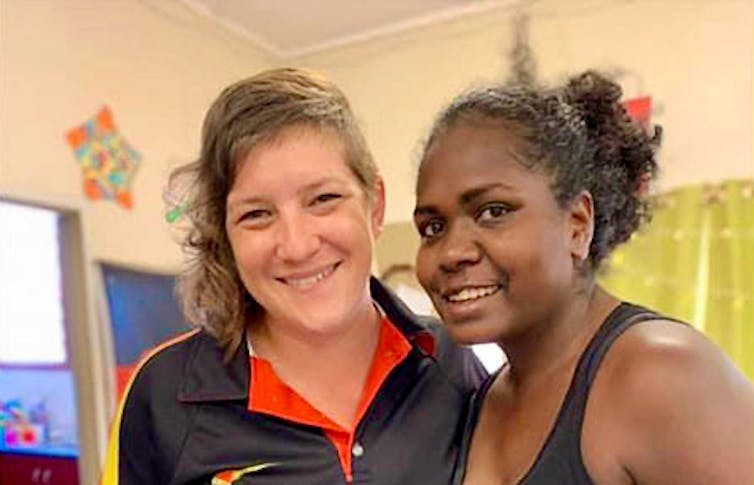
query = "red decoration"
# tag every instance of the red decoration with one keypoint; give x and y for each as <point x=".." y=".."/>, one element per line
<point x="640" y="109"/>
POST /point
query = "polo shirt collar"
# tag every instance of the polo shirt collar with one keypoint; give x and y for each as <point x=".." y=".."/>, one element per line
<point x="412" y="326"/>
<point x="208" y="378"/>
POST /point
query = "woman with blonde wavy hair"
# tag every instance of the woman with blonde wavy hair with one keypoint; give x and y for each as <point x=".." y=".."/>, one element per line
<point x="303" y="368"/>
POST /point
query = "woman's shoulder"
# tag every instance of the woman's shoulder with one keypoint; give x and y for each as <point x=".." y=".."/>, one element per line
<point x="161" y="363"/>
<point x="675" y="400"/>
<point x="660" y="347"/>
<point x="660" y="359"/>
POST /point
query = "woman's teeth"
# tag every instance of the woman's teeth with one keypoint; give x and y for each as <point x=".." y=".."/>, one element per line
<point x="310" y="280"/>
<point x="468" y="294"/>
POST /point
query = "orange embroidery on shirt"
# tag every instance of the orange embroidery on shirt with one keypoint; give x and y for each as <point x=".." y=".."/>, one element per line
<point x="227" y="477"/>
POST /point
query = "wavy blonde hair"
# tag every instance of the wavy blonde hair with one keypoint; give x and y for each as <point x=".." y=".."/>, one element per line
<point x="248" y="114"/>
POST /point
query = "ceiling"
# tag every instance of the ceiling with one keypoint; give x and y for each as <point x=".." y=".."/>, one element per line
<point x="290" y="28"/>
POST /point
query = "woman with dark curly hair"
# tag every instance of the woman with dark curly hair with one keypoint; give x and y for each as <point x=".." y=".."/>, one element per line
<point x="521" y="194"/>
<point x="304" y="370"/>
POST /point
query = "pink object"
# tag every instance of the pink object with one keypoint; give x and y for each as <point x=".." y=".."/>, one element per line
<point x="11" y="436"/>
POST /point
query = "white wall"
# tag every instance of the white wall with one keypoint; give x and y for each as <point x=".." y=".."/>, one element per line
<point x="158" y="66"/>
<point x="693" y="57"/>
<point x="155" y="63"/>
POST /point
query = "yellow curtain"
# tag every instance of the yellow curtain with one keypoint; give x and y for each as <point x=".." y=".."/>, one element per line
<point x="695" y="262"/>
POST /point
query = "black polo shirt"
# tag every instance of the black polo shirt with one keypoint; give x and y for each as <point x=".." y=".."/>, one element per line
<point x="186" y="418"/>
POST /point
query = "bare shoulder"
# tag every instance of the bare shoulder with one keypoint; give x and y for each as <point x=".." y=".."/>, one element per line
<point x="678" y="404"/>
<point x="667" y="357"/>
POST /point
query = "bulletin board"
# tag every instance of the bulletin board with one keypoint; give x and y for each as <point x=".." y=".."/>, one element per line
<point x="143" y="312"/>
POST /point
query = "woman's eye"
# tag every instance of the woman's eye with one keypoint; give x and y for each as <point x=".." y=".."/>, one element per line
<point x="431" y="229"/>
<point x="254" y="215"/>
<point x="492" y="212"/>
<point x="326" y="197"/>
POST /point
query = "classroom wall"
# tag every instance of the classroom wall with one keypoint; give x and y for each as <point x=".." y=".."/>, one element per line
<point x="156" y="64"/>
<point x="694" y="57"/>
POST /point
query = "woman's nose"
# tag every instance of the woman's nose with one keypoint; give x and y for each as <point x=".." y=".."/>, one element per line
<point x="459" y="248"/>
<point x="297" y="237"/>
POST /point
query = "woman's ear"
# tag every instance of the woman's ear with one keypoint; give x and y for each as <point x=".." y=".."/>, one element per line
<point x="581" y="225"/>
<point x="378" y="207"/>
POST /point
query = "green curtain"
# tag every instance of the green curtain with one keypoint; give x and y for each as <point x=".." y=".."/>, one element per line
<point x="695" y="262"/>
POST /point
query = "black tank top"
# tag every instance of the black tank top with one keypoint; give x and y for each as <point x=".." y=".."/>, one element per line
<point x="559" y="461"/>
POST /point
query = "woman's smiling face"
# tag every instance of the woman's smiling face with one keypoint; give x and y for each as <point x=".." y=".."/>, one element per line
<point x="302" y="231"/>
<point x="497" y="250"/>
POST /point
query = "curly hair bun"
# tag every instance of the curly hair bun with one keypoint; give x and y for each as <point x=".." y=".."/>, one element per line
<point x="622" y="148"/>
<point x="595" y="96"/>
<point x="624" y="142"/>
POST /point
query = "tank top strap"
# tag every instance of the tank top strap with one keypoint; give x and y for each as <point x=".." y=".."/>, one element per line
<point x="561" y="454"/>
<point x="623" y="317"/>
<point x="559" y="461"/>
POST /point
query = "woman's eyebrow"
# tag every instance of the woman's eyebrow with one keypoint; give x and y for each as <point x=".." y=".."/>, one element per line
<point x="242" y="201"/>
<point x="422" y="210"/>
<point x="466" y="198"/>
<point x="319" y="183"/>
<point x="472" y="194"/>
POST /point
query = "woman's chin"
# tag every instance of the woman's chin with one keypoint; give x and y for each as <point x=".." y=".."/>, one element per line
<point x="472" y="331"/>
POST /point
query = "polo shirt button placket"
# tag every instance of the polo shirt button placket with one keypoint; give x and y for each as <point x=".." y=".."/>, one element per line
<point x="357" y="450"/>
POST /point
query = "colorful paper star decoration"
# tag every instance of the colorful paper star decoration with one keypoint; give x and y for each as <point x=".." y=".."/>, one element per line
<point x="108" y="163"/>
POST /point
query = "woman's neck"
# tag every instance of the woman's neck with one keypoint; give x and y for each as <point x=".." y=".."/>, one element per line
<point x="328" y="370"/>
<point x="292" y="342"/>
<point x="557" y="342"/>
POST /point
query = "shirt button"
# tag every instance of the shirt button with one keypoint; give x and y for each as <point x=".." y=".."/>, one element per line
<point x="357" y="450"/>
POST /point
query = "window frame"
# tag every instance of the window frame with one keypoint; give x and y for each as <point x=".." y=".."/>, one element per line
<point x="91" y="362"/>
